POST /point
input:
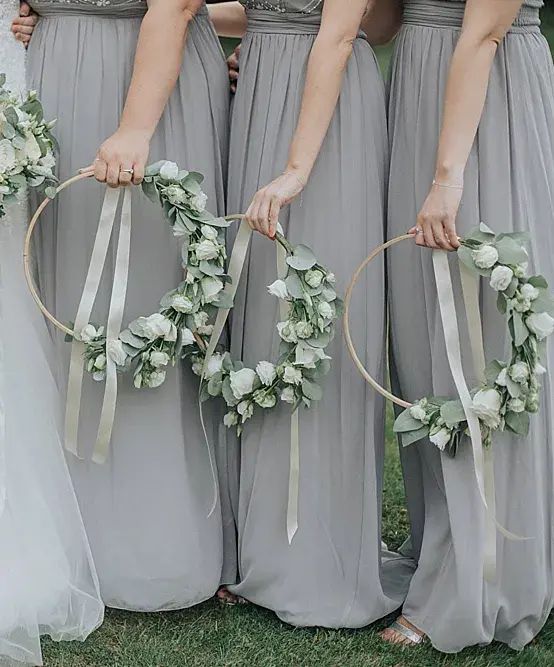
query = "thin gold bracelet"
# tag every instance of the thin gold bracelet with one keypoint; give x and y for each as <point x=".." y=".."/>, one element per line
<point x="447" y="185"/>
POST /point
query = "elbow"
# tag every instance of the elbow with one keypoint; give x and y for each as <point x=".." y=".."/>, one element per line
<point x="488" y="40"/>
<point x="338" y="46"/>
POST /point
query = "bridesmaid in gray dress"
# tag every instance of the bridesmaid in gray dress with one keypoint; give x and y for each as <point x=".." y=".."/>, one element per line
<point x="147" y="509"/>
<point x="332" y="573"/>
<point x="509" y="184"/>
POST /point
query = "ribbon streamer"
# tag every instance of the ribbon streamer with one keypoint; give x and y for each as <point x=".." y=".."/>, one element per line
<point x="115" y="320"/>
<point x="90" y="291"/>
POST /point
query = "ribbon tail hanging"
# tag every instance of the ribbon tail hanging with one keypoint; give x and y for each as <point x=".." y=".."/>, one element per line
<point x="115" y="320"/>
<point x="90" y="291"/>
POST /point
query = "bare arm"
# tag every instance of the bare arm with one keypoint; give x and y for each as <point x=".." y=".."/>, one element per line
<point x="229" y="19"/>
<point x="157" y="65"/>
<point x="382" y="21"/>
<point x="485" y="25"/>
<point x="326" y="66"/>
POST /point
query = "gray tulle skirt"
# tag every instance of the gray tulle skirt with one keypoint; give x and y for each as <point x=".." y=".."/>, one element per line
<point x="146" y="510"/>
<point x="332" y="574"/>
<point x="510" y="186"/>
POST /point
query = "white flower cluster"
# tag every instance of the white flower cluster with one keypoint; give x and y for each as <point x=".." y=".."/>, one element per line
<point x="26" y="147"/>
<point x="512" y="390"/>
<point x="183" y="326"/>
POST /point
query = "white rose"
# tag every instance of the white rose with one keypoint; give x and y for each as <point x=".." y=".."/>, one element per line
<point x="520" y="270"/>
<point x="502" y="378"/>
<point x="330" y="278"/>
<point x="116" y="353"/>
<point x="158" y="326"/>
<point x="137" y="381"/>
<point x="519" y="372"/>
<point x="266" y="372"/>
<point x="175" y="194"/>
<point x="242" y="382"/>
<point x="314" y="278"/>
<point x="288" y="395"/>
<point x="304" y="330"/>
<point x="197" y="368"/>
<point x="198" y="202"/>
<point x="214" y="365"/>
<point x="89" y="334"/>
<point x="287" y="331"/>
<point x="516" y="405"/>
<point x="486" y="405"/>
<point x="169" y="171"/>
<point x="231" y="419"/>
<point x="419" y="413"/>
<point x="209" y="232"/>
<point x="441" y="438"/>
<point x="99" y="376"/>
<point x="292" y="375"/>
<point x="522" y="305"/>
<point x="211" y="287"/>
<point x="265" y="400"/>
<point x="159" y="359"/>
<point x="156" y="379"/>
<point x="325" y="310"/>
<point x="246" y="410"/>
<point x="279" y="289"/>
<point x="501" y="278"/>
<point x="529" y="292"/>
<point x="206" y="250"/>
<point x="100" y="362"/>
<point x="200" y="319"/>
<point x="48" y="160"/>
<point x="307" y="356"/>
<point x="541" y="324"/>
<point x="486" y="257"/>
<point x="533" y="402"/>
<point x="187" y="337"/>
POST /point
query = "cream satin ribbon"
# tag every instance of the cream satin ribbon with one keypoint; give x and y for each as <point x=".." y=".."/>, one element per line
<point x="236" y="266"/>
<point x="482" y="459"/>
<point x="115" y="318"/>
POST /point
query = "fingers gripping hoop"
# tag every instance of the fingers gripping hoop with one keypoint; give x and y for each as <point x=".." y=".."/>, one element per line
<point x="346" y="320"/>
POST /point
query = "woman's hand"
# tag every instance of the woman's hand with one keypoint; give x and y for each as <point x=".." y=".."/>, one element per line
<point x="121" y="160"/>
<point x="24" y="25"/>
<point x="263" y="212"/>
<point x="436" y="222"/>
<point x="233" y="65"/>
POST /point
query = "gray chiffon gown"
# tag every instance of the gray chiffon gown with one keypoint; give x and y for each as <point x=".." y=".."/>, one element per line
<point x="332" y="574"/>
<point x="145" y="510"/>
<point x="510" y="186"/>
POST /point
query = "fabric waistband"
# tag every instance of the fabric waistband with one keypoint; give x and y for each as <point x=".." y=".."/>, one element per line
<point x="55" y="10"/>
<point x="441" y="14"/>
<point x="287" y="23"/>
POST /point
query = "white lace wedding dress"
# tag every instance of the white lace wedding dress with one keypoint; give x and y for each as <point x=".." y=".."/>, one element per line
<point x="48" y="585"/>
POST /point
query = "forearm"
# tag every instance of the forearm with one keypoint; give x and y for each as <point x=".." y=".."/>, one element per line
<point x="157" y="65"/>
<point x="466" y="91"/>
<point x="382" y="21"/>
<point x="327" y="64"/>
<point x="229" y="19"/>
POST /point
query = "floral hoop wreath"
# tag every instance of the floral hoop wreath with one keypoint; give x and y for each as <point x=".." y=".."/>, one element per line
<point x="509" y="390"/>
<point x="192" y="316"/>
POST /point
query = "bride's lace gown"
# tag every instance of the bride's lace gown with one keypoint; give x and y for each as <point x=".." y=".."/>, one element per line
<point x="48" y="584"/>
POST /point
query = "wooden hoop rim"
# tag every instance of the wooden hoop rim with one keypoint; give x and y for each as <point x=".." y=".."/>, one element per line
<point x="346" y="320"/>
<point x="87" y="173"/>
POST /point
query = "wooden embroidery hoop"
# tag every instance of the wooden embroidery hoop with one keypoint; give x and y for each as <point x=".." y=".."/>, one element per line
<point x="346" y="320"/>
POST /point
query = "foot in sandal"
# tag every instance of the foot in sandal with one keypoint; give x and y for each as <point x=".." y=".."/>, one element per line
<point x="402" y="632"/>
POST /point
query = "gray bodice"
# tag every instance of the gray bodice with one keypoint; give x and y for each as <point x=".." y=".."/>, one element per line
<point x="286" y="6"/>
<point x="527" y="3"/>
<point x="110" y="8"/>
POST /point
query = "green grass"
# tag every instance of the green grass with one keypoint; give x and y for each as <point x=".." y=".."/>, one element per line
<point x="214" y="636"/>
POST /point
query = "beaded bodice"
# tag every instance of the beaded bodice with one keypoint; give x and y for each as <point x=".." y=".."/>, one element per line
<point x="285" y="6"/>
<point x="100" y="7"/>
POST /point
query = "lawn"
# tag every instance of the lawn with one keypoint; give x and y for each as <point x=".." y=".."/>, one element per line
<point x="214" y="636"/>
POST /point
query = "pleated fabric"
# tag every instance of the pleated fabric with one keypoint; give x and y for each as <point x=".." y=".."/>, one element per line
<point x="332" y="574"/>
<point x="510" y="186"/>
<point x="147" y="509"/>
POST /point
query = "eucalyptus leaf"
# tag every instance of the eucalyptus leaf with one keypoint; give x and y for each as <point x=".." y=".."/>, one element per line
<point x="405" y="422"/>
<point x="485" y="229"/>
<point x="465" y="256"/>
<point x="518" y="422"/>
<point x="312" y="390"/>
<point x="224" y="300"/>
<point x="210" y="269"/>
<point x="521" y="333"/>
<point x="492" y="371"/>
<point x="154" y="169"/>
<point x="129" y="338"/>
<point x="303" y="259"/>
<point x="510" y="251"/>
<point x="453" y="413"/>
<point x="538" y="281"/>
<point x="8" y="131"/>
<point x="320" y="341"/>
<point x="408" y="438"/>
